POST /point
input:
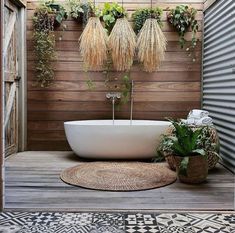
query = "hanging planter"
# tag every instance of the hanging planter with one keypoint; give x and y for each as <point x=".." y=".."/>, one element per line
<point x="93" y="45"/>
<point x="151" y="45"/>
<point x="122" y="44"/>
<point x="79" y="11"/>
<point x="141" y="15"/>
<point x="59" y="12"/>
<point x="182" y="19"/>
<point x="110" y="13"/>
<point x="44" y="44"/>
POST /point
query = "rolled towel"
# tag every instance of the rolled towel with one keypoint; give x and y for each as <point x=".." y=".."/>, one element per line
<point x="198" y="114"/>
<point x="190" y="121"/>
<point x="204" y="121"/>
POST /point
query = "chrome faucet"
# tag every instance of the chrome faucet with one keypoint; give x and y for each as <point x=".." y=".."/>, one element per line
<point x="113" y="96"/>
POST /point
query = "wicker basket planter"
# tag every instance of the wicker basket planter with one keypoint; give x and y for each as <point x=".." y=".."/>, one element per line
<point x="211" y="157"/>
<point x="170" y="159"/>
<point x="197" y="170"/>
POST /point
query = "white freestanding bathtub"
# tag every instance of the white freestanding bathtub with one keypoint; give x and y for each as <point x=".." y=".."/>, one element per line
<point x="100" y="139"/>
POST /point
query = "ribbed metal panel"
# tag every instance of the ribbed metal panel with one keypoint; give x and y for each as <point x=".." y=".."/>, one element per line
<point x="219" y="74"/>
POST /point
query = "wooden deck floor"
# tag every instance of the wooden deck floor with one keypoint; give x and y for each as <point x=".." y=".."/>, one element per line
<point x="32" y="182"/>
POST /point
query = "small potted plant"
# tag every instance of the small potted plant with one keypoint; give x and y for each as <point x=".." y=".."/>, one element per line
<point x="187" y="146"/>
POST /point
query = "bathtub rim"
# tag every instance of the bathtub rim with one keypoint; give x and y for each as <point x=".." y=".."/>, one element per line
<point x="122" y="122"/>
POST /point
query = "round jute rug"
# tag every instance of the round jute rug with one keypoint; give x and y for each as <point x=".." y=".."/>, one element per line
<point x="119" y="176"/>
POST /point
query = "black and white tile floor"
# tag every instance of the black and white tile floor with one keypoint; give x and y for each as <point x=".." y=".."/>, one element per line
<point x="44" y="222"/>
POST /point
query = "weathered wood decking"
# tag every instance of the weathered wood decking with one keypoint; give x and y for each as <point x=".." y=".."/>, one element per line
<point x="32" y="181"/>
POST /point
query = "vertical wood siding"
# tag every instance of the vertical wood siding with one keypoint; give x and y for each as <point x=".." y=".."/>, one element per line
<point x="170" y="92"/>
<point x="1" y="105"/>
<point x="219" y="73"/>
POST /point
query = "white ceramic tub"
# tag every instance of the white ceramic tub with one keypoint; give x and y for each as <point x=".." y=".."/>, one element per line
<point x="100" y="139"/>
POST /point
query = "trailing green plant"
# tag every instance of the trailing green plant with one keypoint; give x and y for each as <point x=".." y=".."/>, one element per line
<point x="125" y="89"/>
<point x="110" y="13"/>
<point x="139" y="17"/>
<point x="59" y="11"/>
<point x="183" y="18"/>
<point x="44" y="44"/>
<point x="80" y="11"/>
<point x="206" y="142"/>
<point x="165" y="146"/>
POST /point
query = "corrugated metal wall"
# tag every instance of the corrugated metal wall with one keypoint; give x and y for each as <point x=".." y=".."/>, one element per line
<point x="219" y="73"/>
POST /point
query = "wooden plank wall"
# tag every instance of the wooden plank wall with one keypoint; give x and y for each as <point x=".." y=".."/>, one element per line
<point x="170" y="92"/>
<point x="1" y="105"/>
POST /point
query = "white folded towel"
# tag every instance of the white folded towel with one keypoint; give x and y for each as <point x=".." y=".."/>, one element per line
<point x="197" y="114"/>
<point x="204" y="121"/>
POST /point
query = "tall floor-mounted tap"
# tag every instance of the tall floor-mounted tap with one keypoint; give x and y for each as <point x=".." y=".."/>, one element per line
<point x="132" y="101"/>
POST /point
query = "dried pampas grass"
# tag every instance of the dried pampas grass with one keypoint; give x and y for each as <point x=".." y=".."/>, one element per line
<point x="93" y="44"/>
<point x="122" y="44"/>
<point x="151" y="45"/>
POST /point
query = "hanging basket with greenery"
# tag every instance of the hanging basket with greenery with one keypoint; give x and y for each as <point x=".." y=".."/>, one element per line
<point x="58" y="10"/>
<point x="110" y="13"/>
<point x="182" y="19"/>
<point x="80" y="11"/>
<point x="44" y="44"/>
<point x="141" y="15"/>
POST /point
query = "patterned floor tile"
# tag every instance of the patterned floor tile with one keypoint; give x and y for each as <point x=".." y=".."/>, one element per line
<point x="106" y="219"/>
<point x="73" y="229"/>
<point x="107" y="229"/>
<point x="47" y="219"/>
<point x="80" y="219"/>
<point x="140" y="219"/>
<point x="10" y="229"/>
<point x="44" y="222"/>
<point x="142" y="229"/>
<point x="37" y="229"/>
<point x="208" y="223"/>
<point x="14" y="218"/>
<point x="174" y="223"/>
<point x="139" y="222"/>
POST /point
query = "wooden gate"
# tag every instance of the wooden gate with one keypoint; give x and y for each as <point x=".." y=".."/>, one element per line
<point x="11" y="77"/>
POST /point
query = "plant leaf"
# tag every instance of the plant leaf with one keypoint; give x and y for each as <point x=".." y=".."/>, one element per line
<point x="184" y="166"/>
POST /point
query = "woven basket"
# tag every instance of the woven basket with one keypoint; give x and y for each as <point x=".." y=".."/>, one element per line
<point x="197" y="170"/>
<point x="211" y="156"/>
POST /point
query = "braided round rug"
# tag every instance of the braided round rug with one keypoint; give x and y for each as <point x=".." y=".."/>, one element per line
<point x="119" y="176"/>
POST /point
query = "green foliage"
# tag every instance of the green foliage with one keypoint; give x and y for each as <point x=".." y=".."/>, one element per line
<point x="75" y="9"/>
<point x="183" y="18"/>
<point x="80" y="10"/>
<point x="139" y="17"/>
<point x="165" y="145"/>
<point x="110" y="13"/>
<point x="44" y="44"/>
<point x="186" y="140"/>
<point x="125" y="89"/>
<point x="58" y="10"/>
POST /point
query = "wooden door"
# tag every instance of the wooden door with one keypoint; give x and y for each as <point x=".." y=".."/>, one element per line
<point x="11" y="77"/>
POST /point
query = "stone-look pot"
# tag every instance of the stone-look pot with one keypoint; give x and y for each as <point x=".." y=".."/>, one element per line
<point x="197" y="169"/>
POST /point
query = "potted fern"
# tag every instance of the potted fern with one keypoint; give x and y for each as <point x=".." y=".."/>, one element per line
<point x="189" y="153"/>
